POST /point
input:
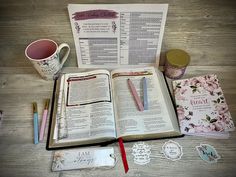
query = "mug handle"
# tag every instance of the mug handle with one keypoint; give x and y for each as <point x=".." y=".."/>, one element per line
<point x="64" y="58"/>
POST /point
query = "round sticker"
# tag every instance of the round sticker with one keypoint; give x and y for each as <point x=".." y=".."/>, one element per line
<point x="172" y="150"/>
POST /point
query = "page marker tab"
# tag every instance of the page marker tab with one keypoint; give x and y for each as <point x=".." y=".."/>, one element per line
<point x="207" y="153"/>
<point x="141" y="153"/>
<point x="83" y="158"/>
<point x="172" y="150"/>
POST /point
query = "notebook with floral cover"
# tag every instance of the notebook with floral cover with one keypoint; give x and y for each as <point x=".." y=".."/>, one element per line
<point x="201" y="107"/>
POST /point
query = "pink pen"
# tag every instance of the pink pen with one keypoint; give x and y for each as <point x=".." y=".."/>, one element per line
<point x="135" y="95"/>
<point x="44" y="120"/>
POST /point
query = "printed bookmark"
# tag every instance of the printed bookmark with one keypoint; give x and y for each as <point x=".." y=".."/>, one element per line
<point x="83" y="158"/>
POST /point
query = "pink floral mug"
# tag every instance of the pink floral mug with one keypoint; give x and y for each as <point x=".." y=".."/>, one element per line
<point x="44" y="55"/>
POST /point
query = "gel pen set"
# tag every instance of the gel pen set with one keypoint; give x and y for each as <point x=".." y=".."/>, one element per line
<point x="39" y="135"/>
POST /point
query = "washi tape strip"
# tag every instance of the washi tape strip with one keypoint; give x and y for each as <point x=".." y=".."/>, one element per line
<point x="208" y="153"/>
<point x="172" y="150"/>
<point x="141" y="153"/>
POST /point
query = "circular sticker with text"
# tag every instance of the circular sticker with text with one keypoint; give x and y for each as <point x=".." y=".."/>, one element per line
<point x="172" y="150"/>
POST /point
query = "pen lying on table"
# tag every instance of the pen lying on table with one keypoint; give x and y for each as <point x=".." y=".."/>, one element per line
<point x="36" y="131"/>
<point x="44" y="120"/>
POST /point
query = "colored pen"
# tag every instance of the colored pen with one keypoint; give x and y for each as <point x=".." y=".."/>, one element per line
<point x="145" y="97"/>
<point x="36" y="131"/>
<point x="44" y="120"/>
<point x="135" y="95"/>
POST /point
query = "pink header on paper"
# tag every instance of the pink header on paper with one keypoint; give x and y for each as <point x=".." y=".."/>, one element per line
<point x="94" y="14"/>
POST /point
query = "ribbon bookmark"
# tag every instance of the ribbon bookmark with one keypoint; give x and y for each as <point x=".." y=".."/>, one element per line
<point x="123" y="155"/>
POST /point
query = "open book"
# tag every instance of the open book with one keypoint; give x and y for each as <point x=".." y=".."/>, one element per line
<point x="98" y="106"/>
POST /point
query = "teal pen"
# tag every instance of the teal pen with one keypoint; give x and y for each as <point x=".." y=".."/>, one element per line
<point x="36" y="131"/>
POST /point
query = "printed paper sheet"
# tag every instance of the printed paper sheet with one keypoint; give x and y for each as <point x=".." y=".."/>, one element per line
<point x="117" y="35"/>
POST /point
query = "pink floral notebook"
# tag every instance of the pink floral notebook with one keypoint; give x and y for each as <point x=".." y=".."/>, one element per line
<point x="201" y="107"/>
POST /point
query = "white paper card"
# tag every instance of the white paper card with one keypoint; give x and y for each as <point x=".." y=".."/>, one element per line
<point x="117" y="35"/>
<point x="83" y="158"/>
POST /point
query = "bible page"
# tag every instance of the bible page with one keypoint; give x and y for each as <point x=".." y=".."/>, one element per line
<point x="129" y="119"/>
<point x="86" y="110"/>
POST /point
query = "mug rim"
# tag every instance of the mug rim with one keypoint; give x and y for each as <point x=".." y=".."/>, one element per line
<point x="33" y="42"/>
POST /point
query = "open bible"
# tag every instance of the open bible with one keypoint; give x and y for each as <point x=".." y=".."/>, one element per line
<point x="98" y="106"/>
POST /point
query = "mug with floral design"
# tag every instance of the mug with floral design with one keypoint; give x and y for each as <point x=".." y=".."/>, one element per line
<point x="44" y="54"/>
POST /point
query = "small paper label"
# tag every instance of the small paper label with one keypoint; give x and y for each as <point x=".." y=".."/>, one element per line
<point x="207" y="153"/>
<point x="172" y="150"/>
<point x="141" y="153"/>
<point x="83" y="158"/>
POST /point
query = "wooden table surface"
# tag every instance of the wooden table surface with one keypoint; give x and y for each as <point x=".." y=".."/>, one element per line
<point x="206" y="29"/>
